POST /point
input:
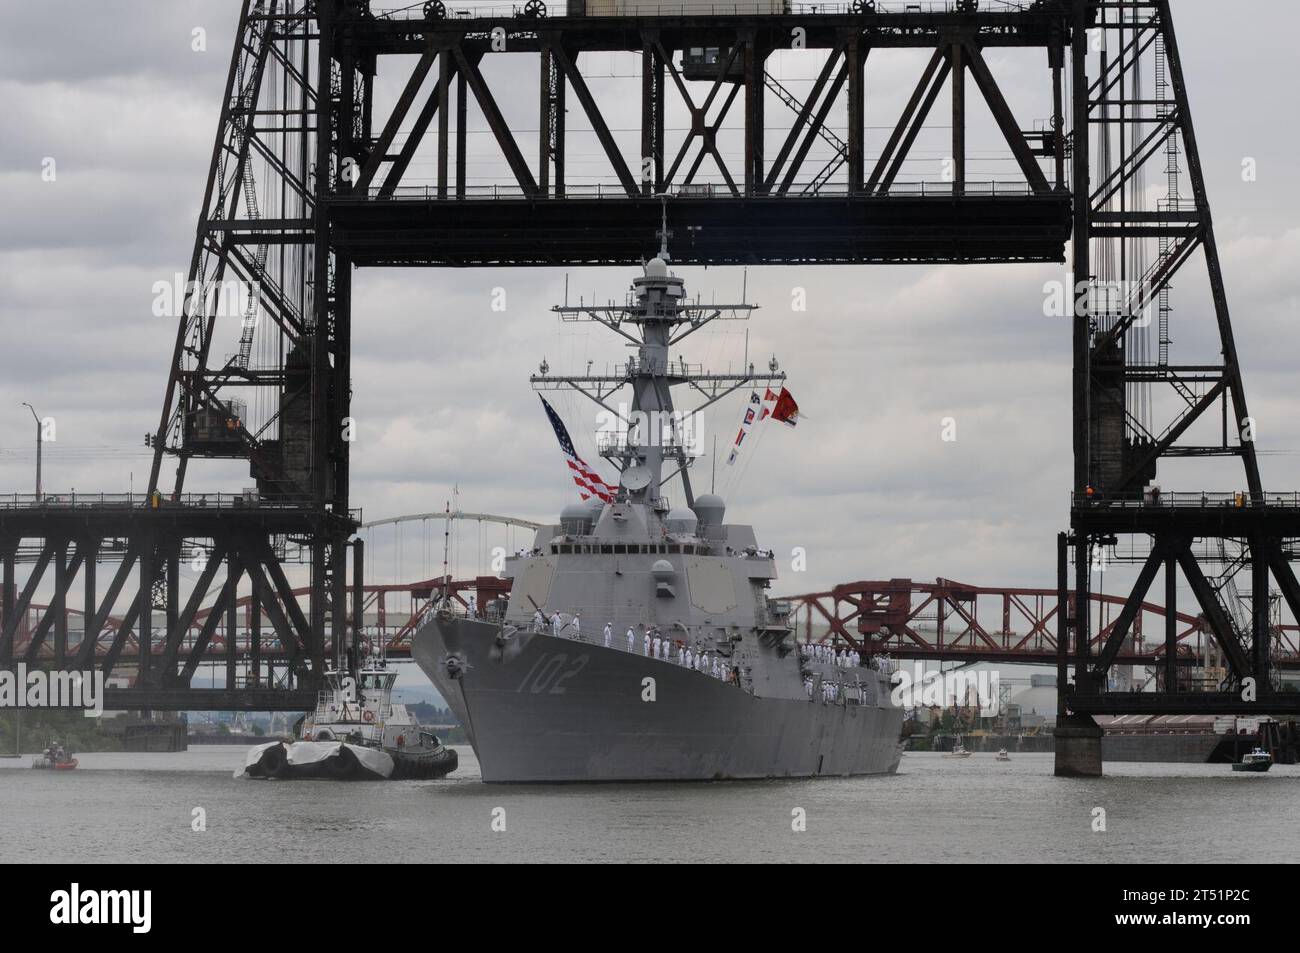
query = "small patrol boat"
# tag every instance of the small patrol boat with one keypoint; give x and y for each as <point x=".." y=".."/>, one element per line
<point x="1002" y="755"/>
<point x="54" y="758"/>
<point x="958" y="750"/>
<point x="355" y="733"/>
<point x="1258" y="761"/>
<point x="48" y="762"/>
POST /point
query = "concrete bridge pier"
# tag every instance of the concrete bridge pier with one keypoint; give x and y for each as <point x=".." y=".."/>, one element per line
<point x="1078" y="747"/>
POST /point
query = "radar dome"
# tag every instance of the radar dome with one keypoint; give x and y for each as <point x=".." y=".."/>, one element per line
<point x="710" y="509"/>
<point x="656" y="268"/>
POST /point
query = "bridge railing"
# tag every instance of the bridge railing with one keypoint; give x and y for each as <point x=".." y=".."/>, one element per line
<point x="127" y="501"/>
<point x="677" y="8"/>
<point x="708" y="190"/>
<point x="1238" y="499"/>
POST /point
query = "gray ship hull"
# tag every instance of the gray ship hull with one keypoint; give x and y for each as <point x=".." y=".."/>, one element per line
<point x="542" y="708"/>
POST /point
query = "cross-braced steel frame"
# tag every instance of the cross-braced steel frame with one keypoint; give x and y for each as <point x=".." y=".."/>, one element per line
<point x="1133" y="137"/>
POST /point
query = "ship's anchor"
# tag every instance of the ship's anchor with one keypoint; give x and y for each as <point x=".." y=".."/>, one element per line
<point x="455" y="666"/>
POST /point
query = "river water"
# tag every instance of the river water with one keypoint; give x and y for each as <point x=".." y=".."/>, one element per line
<point x="141" y="808"/>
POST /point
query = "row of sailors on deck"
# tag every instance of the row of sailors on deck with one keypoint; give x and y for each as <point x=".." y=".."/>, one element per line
<point x="652" y="644"/>
<point x="830" y="690"/>
<point x="842" y="658"/>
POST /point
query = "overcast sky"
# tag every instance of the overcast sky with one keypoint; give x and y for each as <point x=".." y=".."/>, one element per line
<point x="115" y="94"/>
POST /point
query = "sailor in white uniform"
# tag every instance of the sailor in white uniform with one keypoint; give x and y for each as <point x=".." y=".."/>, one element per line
<point x="556" y="624"/>
<point x="609" y="633"/>
<point x="539" y="620"/>
<point x="645" y="645"/>
<point x="631" y="639"/>
<point x="577" y="630"/>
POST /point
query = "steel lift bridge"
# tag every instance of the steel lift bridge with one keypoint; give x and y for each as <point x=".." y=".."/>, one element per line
<point x="312" y="176"/>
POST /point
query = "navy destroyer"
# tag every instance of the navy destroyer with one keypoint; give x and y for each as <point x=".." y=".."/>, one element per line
<point x="638" y="642"/>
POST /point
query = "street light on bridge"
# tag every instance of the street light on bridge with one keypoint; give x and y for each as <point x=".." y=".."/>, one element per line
<point x="38" y="449"/>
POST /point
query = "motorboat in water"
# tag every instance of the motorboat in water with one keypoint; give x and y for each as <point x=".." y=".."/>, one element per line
<point x="1257" y="761"/>
<point x="958" y="751"/>
<point x="54" y="759"/>
<point x="1003" y="755"/>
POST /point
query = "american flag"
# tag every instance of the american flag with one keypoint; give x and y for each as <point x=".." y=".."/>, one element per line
<point x="589" y="482"/>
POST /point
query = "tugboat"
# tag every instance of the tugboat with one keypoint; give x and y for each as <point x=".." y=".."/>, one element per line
<point x="1258" y="761"/>
<point x="355" y="733"/>
<point x="54" y="758"/>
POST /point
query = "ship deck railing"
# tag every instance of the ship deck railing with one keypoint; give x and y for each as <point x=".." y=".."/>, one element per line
<point x="327" y="697"/>
<point x="617" y="640"/>
<point x="674" y="652"/>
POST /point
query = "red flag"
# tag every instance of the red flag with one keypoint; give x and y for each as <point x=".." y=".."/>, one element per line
<point x="786" y="410"/>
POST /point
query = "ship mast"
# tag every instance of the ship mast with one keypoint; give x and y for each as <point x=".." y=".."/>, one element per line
<point x="654" y="435"/>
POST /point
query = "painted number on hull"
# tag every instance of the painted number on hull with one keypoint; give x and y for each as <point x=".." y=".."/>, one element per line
<point x="550" y="672"/>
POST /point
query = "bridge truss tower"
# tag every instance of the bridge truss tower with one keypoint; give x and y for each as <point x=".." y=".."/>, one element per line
<point x="1138" y="415"/>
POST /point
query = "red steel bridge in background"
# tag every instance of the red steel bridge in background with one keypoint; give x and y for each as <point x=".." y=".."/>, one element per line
<point x="950" y="621"/>
<point x="941" y="621"/>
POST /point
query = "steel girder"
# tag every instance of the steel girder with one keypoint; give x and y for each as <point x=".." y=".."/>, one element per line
<point x="533" y="213"/>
